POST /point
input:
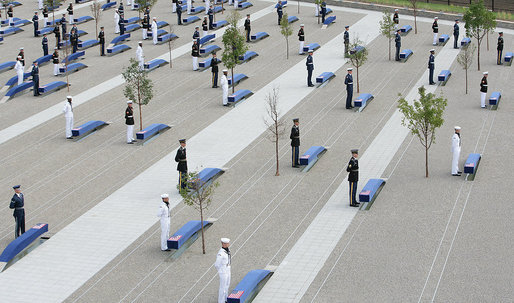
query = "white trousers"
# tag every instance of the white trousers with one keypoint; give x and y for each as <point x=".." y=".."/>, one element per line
<point x="145" y="33"/>
<point x="174" y="8"/>
<point x="165" y="232"/>
<point x="141" y="64"/>
<point x="117" y="28"/>
<point x="435" y="39"/>
<point x="455" y="161"/>
<point x="229" y="2"/>
<point x="317" y="11"/>
<point x="224" y="285"/>
<point x="56" y="69"/>
<point x="10" y="22"/>
<point x="71" y="19"/>
<point x="20" y="77"/>
<point x="482" y="99"/>
<point x="300" y="51"/>
<point x="154" y="37"/>
<point x="46" y="22"/>
<point x="236" y="4"/>
<point x="130" y="133"/>
<point x="205" y="33"/>
<point x="69" y="126"/>
<point x="225" y="97"/>
<point x="189" y="5"/>
<point x="195" y="63"/>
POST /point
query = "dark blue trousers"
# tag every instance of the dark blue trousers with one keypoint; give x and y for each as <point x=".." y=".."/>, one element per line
<point x="295" y="154"/>
<point x="431" y="76"/>
<point x="309" y="77"/>
<point x="353" y="192"/>
<point x="349" y="97"/>
<point x="19" y="218"/>
<point x="215" y="79"/>
<point x="182" y="179"/>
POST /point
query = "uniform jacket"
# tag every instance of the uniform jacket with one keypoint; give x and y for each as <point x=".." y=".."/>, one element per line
<point x="309" y="63"/>
<point x="74" y="38"/>
<point x="181" y="159"/>
<point x="195" y="50"/>
<point x="55" y="58"/>
<point x="247" y="24"/>
<point x="214" y="65"/>
<point x="146" y="22"/>
<point x="455" y="29"/>
<point x="101" y="37"/>
<point x="295" y="136"/>
<point x="456" y="143"/>
<point x="163" y="212"/>
<point x="435" y="27"/>
<point x="70" y="10"/>
<point x="223" y="261"/>
<point x="44" y="42"/>
<point x="154" y="27"/>
<point x="205" y="26"/>
<point x="500" y="43"/>
<point x="348" y="80"/>
<point x="301" y="35"/>
<point x="353" y="169"/>
<point x="396" y="19"/>
<point x="45" y="13"/>
<point x="323" y="7"/>
<point x="129" y="116"/>
<point x="398" y="40"/>
<point x="139" y="53"/>
<point x="57" y="32"/>
<point x="68" y="110"/>
<point x="22" y="55"/>
<point x="17" y="202"/>
<point x="35" y="19"/>
<point x="431" y="62"/>
<point x="19" y="67"/>
<point x="279" y="9"/>
<point x="346" y="37"/>
<point x="224" y="83"/>
<point x="483" y="85"/>
<point x="35" y="72"/>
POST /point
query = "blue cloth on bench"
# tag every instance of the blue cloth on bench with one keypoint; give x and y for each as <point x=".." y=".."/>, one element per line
<point x="150" y="131"/>
<point x="243" y="5"/>
<point x="108" y="5"/>
<point x="88" y="43"/>
<point x="19" y="88"/>
<point x="74" y="56"/>
<point x="4" y="22"/>
<point x="444" y="75"/>
<point x="357" y="49"/>
<point x="21" y="22"/>
<point x="330" y="20"/>
<point x="218" y="9"/>
<point x="51" y="87"/>
<point x="248" y="56"/>
<point x="132" y="27"/>
<point x="470" y="167"/>
<point x="465" y="41"/>
<point x="161" y="24"/>
<point x="117" y="49"/>
<point x="44" y="59"/>
<point x="248" y="286"/>
<point x="166" y="37"/>
<point x="206" y="174"/>
<point x="190" y="20"/>
<point x="185" y="232"/>
<point x="160" y="32"/>
<point x="72" y="67"/>
<point x="14" y="80"/>
<point x="209" y="49"/>
<point x="20" y="243"/>
<point x="10" y="31"/>
<point x="155" y="63"/>
<point x="239" y="95"/>
<point x="7" y="65"/>
<point x="87" y="127"/>
<point x="219" y="24"/>
<point x="495" y="97"/>
<point x="132" y="20"/>
<point x="45" y="30"/>
<point x="259" y="36"/>
<point x="311" y="155"/>
<point x="82" y="19"/>
<point x="313" y="46"/>
<point x="237" y="78"/>
<point x="207" y="63"/>
<point x="120" y="38"/>
<point x="197" y="9"/>
<point x="292" y="19"/>
<point x="405" y="54"/>
<point x="405" y="29"/>
<point x="362" y="100"/>
<point x="207" y="38"/>
<point x="325" y="76"/>
<point x="508" y="56"/>
<point x="444" y="38"/>
<point x="370" y="189"/>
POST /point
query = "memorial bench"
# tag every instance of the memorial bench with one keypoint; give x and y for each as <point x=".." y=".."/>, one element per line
<point x="249" y="286"/>
<point x="370" y="192"/>
<point x="206" y="176"/>
<point x="7" y="66"/>
<point x="258" y="36"/>
<point x="119" y="39"/>
<point x="324" y="77"/>
<point x="239" y="96"/>
<point x="14" y="80"/>
<point x="107" y="6"/>
<point x="292" y="19"/>
<point x="111" y="51"/>
<point x="362" y="101"/>
<point x="404" y="30"/>
<point x="249" y="55"/>
<point x="311" y="157"/>
<point x="43" y="60"/>
<point x="160" y="32"/>
<point x="52" y="87"/>
<point x="443" y="76"/>
<point x="243" y="5"/>
<point x="21" y="243"/>
<point x="73" y="57"/>
<point x="20" y="22"/>
<point x="218" y="9"/>
<point x="197" y="9"/>
<point x="443" y="39"/>
<point x="209" y="50"/>
<point x="132" y="20"/>
<point x="190" y="19"/>
<point x="155" y="63"/>
<point x="10" y="31"/>
<point x="405" y="54"/>
<point x="329" y="20"/>
<point x="72" y="67"/>
<point x="166" y="37"/>
<point x="311" y="46"/>
<point x="4" y="22"/>
<point x="471" y="165"/>
<point x="207" y="38"/>
<point x="237" y="78"/>
<point x="161" y="24"/>
<point x="18" y="89"/>
<point x="88" y="128"/>
<point x="494" y="100"/>
<point x="187" y="234"/>
<point x="133" y="27"/>
<point x="88" y="43"/>
<point x="508" y="58"/>
<point x="219" y="24"/>
<point x="207" y="63"/>
<point x="151" y="131"/>
<point x="45" y="30"/>
<point x="356" y="49"/>
<point x="83" y="19"/>
<point x="465" y="41"/>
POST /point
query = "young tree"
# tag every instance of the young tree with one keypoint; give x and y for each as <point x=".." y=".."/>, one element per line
<point x="66" y="51"/>
<point x="142" y="4"/>
<point x="170" y="43"/>
<point x="414" y="4"/>
<point x="423" y="117"/>
<point x="479" y="21"/>
<point x="96" y="11"/>
<point x="272" y="121"/>
<point x="198" y="195"/>
<point x="286" y="30"/>
<point x="51" y="4"/>
<point x="465" y="58"/>
<point x="138" y="87"/>
<point x="318" y="9"/>
<point x="387" y="28"/>
<point x="358" y="58"/>
<point x="234" y="42"/>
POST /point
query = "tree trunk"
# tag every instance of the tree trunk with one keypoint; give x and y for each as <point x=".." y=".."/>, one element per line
<point x="478" y="54"/>
<point x="357" y="79"/>
<point x="287" y="48"/>
<point x="319" y="12"/>
<point x="140" y="108"/>
<point x="487" y="35"/>
<point x="426" y="162"/>
<point x="201" y="223"/>
<point x="277" y="173"/>
<point x="298" y="6"/>
<point x="415" y="23"/>
<point x="466" y="81"/>
<point x="233" y="83"/>
<point x="389" y="49"/>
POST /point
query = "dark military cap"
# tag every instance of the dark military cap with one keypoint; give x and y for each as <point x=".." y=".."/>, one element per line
<point x="501" y="33"/>
<point x="182" y="141"/>
<point x="296" y="120"/>
<point x="355" y="151"/>
<point x="347" y="26"/>
<point x="16" y="186"/>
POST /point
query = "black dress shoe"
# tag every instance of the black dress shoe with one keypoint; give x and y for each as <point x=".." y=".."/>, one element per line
<point x="134" y="140"/>
<point x="310" y="85"/>
<point x="459" y="172"/>
<point x="456" y="175"/>
<point x="296" y="166"/>
<point x="354" y="205"/>
<point x="130" y="142"/>
<point x="69" y="137"/>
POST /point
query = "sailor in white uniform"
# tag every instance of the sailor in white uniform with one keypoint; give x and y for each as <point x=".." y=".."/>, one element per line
<point x="68" y="115"/>
<point x="456" y="152"/>
<point x="116" y="22"/>
<point x="224" y="87"/>
<point x="19" y="70"/>
<point x="164" y="214"/>
<point x="223" y="267"/>
<point x="140" y="57"/>
<point x="154" y="30"/>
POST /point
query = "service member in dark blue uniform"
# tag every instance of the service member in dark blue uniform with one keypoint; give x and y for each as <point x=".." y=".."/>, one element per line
<point x="456" y="34"/>
<point x="74" y="40"/>
<point x="348" y="81"/>
<point x="214" y="70"/>
<point x="500" y="48"/>
<point x="247" y="27"/>
<point x="295" y="143"/>
<point x="346" y="40"/>
<point x="35" y="21"/>
<point x="279" y="11"/>
<point x="45" y="16"/>
<point x="310" y="67"/>
<point x="121" y="23"/>
<point x="181" y="159"/>
<point x="17" y="203"/>
<point x="353" y="177"/>
<point x="35" y="77"/>
<point x="323" y="11"/>
<point x="63" y="26"/>
<point x="396" y="19"/>
<point x="101" y="39"/>
<point x="398" y="44"/>
<point x="179" y="13"/>
<point x="210" y="12"/>
<point x="431" y="67"/>
<point x="196" y="35"/>
<point x="44" y="45"/>
<point x="57" y="34"/>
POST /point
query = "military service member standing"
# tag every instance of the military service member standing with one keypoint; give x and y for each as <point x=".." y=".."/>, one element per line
<point x="483" y="89"/>
<point x="396" y="19"/>
<point x="101" y="39"/>
<point x="323" y="11"/>
<point x="398" y="44"/>
<point x="129" y="121"/>
<point x="68" y="115"/>
<point x="279" y="11"/>
<point x="310" y="67"/>
<point x="17" y="203"/>
<point x="164" y="214"/>
<point x="346" y="40"/>
<point x="35" y="77"/>
<point x="44" y="45"/>
<point x="224" y="87"/>
<point x="223" y="260"/>
<point x="431" y="67"/>
<point x="214" y="70"/>
<point x="301" y="38"/>
<point x="140" y="56"/>
<point x="195" y="53"/>
<point x="181" y="159"/>
<point x="35" y="22"/>
<point x="348" y="81"/>
<point x="248" y="27"/>
<point x="500" y="48"/>
<point x="456" y="152"/>
<point x="353" y="177"/>
<point x="295" y="142"/>
<point x="154" y="30"/>
<point x="456" y="34"/>
<point x="55" y="61"/>
<point x="435" y="29"/>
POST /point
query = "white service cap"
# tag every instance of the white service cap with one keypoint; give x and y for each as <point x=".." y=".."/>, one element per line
<point x="19" y="57"/>
<point x="154" y="18"/>
<point x="349" y="69"/>
<point x="225" y="70"/>
<point x="68" y="97"/>
<point x="457" y="127"/>
<point x="140" y="42"/>
<point x="129" y="101"/>
<point x="21" y="48"/>
<point x="432" y="50"/>
<point x="164" y="196"/>
<point x="486" y="73"/>
<point x="225" y="240"/>
<point x="302" y="24"/>
<point x="436" y="18"/>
